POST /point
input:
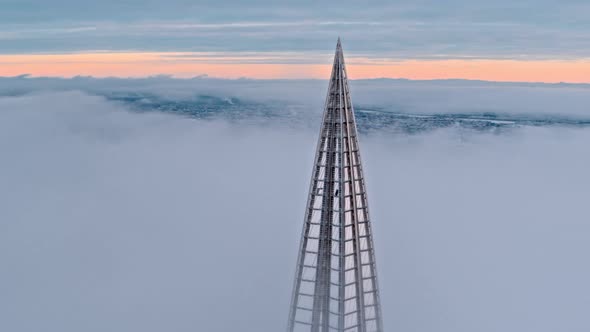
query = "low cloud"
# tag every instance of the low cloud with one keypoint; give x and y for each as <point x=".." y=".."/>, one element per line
<point x="390" y="95"/>
<point x="123" y="221"/>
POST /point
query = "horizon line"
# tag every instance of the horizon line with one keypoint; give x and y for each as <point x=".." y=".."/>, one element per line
<point x="245" y="78"/>
<point x="275" y="66"/>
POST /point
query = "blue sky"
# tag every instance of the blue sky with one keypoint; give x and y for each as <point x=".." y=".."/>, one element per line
<point x="456" y="29"/>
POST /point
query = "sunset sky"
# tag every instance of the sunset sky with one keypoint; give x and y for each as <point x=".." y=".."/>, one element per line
<point x="540" y="40"/>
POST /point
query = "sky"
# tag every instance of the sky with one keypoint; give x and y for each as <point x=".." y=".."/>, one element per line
<point x="531" y="41"/>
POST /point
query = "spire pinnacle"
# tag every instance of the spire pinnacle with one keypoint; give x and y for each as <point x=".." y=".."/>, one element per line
<point x="335" y="287"/>
<point x="338" y="50"/>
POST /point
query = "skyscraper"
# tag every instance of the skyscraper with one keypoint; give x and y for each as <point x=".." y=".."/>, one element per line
<point x="335" y="286"/>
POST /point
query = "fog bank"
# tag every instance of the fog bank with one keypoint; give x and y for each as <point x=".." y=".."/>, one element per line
<point x="117" y="221"/>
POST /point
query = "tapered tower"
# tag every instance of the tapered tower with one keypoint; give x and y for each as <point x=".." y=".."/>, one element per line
<point x="335" y="285"/>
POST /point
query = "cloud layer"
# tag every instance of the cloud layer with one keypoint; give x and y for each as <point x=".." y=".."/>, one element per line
<point x="399" y="96"/>
<point x="121" y="221"/>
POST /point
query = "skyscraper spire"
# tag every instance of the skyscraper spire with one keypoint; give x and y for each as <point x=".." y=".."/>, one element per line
<point x="335" y="285"/>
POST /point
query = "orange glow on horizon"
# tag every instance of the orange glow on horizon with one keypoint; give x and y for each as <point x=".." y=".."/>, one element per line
<point x="149" y="64"/>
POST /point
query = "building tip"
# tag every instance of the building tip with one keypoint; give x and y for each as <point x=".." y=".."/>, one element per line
<point x="339" y="45"/>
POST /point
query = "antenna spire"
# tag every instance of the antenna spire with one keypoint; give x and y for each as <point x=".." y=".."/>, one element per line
<point x="336" y="277"/>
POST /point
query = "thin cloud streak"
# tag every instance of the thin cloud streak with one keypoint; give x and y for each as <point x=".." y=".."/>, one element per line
<point x="263" y="24"/>
<point x="117" y="28"/>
